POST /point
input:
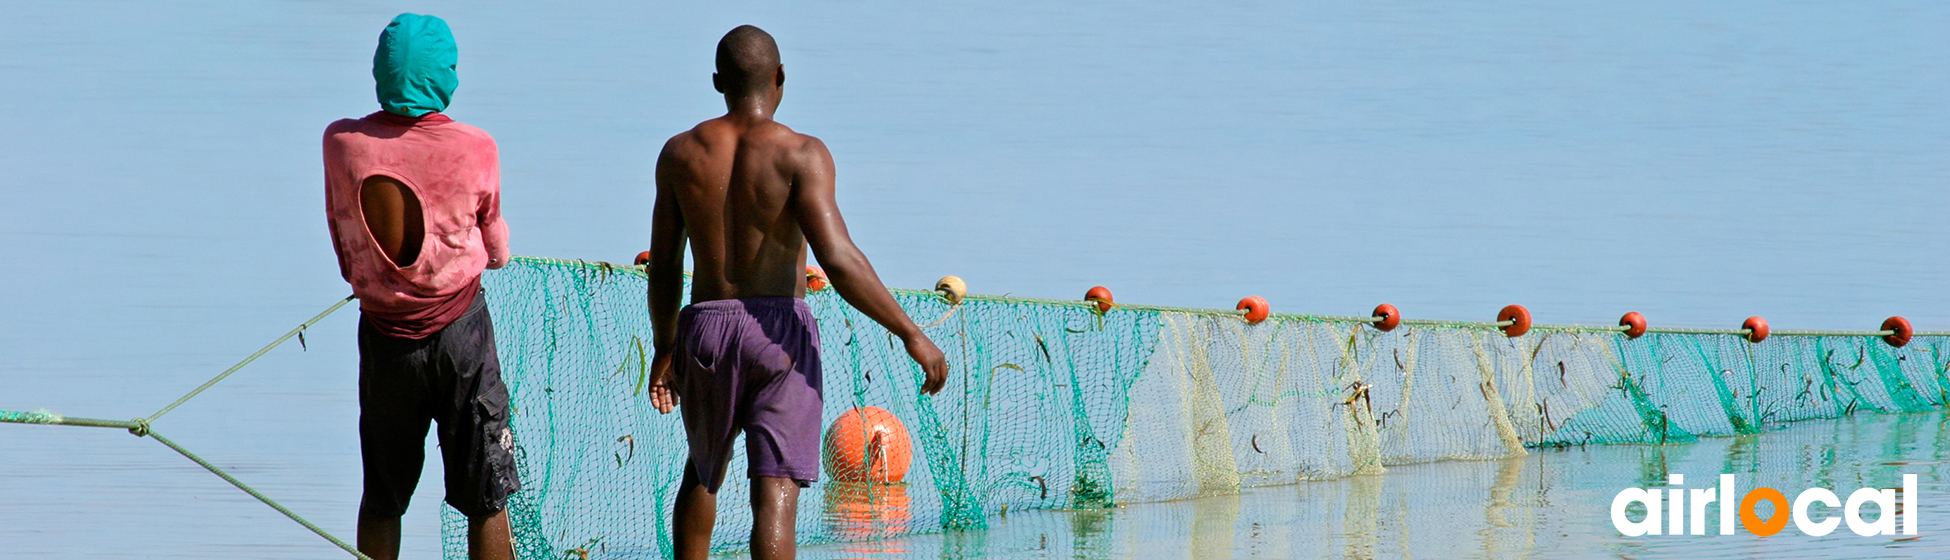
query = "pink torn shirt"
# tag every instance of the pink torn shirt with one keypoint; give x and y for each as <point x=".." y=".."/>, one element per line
<point x="454" y="170"/>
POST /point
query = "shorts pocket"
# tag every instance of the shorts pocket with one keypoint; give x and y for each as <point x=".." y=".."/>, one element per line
<point x="491" y="415"/>
<point x="497" y="446"/>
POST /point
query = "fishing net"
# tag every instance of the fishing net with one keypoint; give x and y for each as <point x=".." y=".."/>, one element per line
<point x="1053" y="405"/>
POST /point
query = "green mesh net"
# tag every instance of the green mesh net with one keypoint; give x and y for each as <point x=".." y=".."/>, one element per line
<point x="1052" y="405"/>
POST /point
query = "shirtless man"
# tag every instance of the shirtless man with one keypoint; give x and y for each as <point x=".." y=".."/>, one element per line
<point x="750" y="196"/>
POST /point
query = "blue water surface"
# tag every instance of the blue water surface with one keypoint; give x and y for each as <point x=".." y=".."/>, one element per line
<point x="1698" y="162"/>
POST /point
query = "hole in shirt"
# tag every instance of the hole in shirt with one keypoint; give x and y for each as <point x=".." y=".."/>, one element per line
<point x="394" y="218"/>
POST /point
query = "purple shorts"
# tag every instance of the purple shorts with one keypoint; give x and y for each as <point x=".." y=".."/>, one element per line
<point x="752" y="365"/>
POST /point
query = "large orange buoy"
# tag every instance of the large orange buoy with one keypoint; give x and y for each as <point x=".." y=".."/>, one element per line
<point x="1634" y="324"/>
<point x="1256" y="309"/>
<point x="868" y="444"/>
<point x="815" y="279"/>
<point x="1756" y="329"/>
<point x="1100" y="295"/>
<point x="1518" y="317"/>
<point x="1390" y="317"/>
<point x="643" y="258"/>
<point x="1901" y="328"/>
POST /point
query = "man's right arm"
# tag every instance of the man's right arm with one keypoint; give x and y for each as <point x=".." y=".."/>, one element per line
<point x="813" y="203"/>
<point x="666" y="271"/>
<point x="332" y="158"/>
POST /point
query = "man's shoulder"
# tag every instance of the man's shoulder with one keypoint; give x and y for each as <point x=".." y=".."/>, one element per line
<point x="697" y="141"/>
<point x="380" y="126"/>
<point x="344" y="126"/>
<point x="469" y="131"/>
<point x="805" y="147"/>
<point x="688" y="137"/>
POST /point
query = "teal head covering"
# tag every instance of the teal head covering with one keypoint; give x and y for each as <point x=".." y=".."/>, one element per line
<point x="413" y="70"/>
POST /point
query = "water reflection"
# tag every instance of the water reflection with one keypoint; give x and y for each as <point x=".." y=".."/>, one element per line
<point x="870" y="513"/>
<point x="1506" y="517"/>
<point x="1363" y="528"/>
<point x="1549" y="504"/>
<point x="1214" y="522"/>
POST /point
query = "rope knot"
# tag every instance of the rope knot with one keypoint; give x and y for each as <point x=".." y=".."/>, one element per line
<point x="141" y="428"/>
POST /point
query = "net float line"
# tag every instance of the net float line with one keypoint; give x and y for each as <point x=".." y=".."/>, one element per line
<point x="1893" y="331"/>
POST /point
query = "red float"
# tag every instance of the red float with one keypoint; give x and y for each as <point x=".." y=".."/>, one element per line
<point x="868" y="444"/>
<point x="643" y="258"/>
<point x="1756" y="329"/>
<point x="815" y="279"/>
<point x="1634" y="324"/>
<point x="1100" y="295"/>
<point x="1256" y="309"/>
<point x="1518" y="317"/>
<point x="1902" y="330"/>
<point x="1390" y="317"/>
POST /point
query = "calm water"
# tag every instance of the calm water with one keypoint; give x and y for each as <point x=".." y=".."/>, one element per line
<point x="1696" y="162"/>
<point x="1551" y="504"/>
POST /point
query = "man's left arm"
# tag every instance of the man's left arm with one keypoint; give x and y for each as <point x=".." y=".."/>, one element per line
<point x="494" y="230"/>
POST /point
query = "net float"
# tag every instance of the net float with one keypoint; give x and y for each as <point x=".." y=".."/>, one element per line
<point x="868" y="444"/>
<point x="1756" y="328"/>
<point x="1390" y="317"/>
<point x="1901" y="328"/>
<point x="1518" y="317"/>
<point x="952" y="289"/>
<point x="1256" y="309"/>
<point x="815" y="279"/>
<point x="1634" y="324"/>
<point x="1101" y="296"/>
<point x="643" y="258"/>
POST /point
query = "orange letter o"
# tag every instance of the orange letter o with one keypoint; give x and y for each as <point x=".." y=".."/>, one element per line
<point x="1753" y="523"/>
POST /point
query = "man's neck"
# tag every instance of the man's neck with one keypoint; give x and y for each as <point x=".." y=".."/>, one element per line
<point x="750" y="110"/>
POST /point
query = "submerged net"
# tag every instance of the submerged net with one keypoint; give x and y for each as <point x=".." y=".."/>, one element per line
<point x="1052" y="405"/>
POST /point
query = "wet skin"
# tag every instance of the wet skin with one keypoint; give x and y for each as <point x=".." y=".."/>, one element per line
<point x="751" y="196"/>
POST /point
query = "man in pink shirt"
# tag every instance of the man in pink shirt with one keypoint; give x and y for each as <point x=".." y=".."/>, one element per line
<point x="414" y="205"/>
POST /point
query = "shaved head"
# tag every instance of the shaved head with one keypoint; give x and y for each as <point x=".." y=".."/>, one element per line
<point x="748" y="61"/>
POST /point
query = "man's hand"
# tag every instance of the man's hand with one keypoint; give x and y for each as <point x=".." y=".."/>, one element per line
<point x="932" y="363"/>
<point x="661" y="395"/>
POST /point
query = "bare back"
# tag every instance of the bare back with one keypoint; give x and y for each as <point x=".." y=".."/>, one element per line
<point x="753" y="199"/>
<point x="734" y="185"/>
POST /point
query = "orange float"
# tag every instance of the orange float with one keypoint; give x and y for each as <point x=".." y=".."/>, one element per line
<point x="1518" y="317"/>
<point x="868" y="444"/>
<point x="815" y="279"/>
<point x="1101" y="296"/>
<point x="1900" y="337"/>
<point x="1390" y="317"/>
<point x="1634" y="324"/>
<point x="643" y="258"/>
<point x="1256" y="309"/>
<point x="1756" y="329"/>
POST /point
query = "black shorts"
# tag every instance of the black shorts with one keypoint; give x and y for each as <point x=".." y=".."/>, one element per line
<point x="453" y="377"/>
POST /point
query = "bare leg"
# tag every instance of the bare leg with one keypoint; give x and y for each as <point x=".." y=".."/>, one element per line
<point x="775" y="511"/>
<point x="696" y="512"/>
<point x="488" y="537"/>
<point x="378" y="535"/>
